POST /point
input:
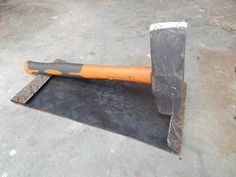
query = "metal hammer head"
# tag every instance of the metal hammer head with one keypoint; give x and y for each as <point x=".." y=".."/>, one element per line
<point x="168" y="41"/>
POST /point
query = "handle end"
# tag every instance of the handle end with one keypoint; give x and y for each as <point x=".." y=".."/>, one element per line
<point x="28" y="69"/>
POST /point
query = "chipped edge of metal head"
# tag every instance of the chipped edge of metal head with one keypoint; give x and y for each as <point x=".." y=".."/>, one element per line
<point x="164" y="25"/>
<point x="23" y="96"/>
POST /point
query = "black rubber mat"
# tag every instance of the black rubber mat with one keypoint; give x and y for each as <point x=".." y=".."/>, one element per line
<point x="120" y="107"/>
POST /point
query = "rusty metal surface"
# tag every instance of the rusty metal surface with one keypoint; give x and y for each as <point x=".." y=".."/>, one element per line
<point x="174" y="138"/>
<point x="31" y="89"/>
<point x="121" y="107"/>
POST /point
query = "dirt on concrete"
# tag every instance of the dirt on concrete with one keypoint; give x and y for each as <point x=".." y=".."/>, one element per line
<point x="218" y="81"/>
<point x="228" y="24"/>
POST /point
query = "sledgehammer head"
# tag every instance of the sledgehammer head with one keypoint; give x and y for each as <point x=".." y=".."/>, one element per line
<point x="167" y="43"/>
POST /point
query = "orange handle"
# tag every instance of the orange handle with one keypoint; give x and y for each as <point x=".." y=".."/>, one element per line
<point x="124" y="73"/>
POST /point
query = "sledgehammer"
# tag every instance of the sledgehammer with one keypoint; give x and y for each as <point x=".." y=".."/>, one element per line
<point x="167" y="43"/>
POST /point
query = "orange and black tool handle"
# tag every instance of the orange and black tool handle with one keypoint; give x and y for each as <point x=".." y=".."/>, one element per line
<point x="124" y="73"/>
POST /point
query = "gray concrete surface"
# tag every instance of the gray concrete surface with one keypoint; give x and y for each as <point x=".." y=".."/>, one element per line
<point x="34" y="143"/>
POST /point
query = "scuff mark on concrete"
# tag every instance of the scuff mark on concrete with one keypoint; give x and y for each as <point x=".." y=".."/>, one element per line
<point x="5" y="174"/>
<point x="12" y="152"/>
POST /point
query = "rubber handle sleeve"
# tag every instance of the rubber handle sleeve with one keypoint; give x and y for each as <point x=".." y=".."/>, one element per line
<point x="124" y="73"/>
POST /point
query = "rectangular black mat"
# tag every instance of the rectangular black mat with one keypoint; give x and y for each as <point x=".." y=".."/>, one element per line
<point x="121" y="107"/>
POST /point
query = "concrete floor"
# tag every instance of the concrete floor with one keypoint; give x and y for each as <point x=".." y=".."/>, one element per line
<point x="34" y="143"/>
